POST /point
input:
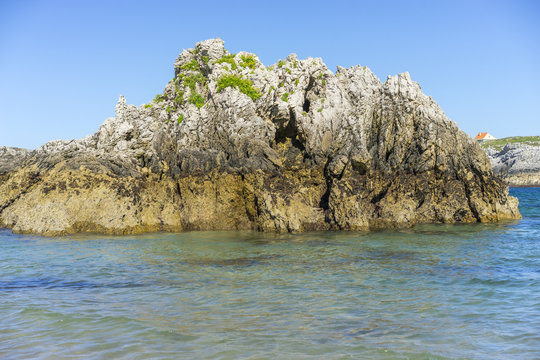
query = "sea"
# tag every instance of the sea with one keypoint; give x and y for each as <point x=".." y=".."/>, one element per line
<point x="430" y="292"/>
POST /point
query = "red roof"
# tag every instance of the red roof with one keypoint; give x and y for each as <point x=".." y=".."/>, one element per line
<point x="480" y="135"/>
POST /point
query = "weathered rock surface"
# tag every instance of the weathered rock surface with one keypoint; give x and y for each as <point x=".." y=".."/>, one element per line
<point x="11" y="157"/>
<point x="231" y="144"/>
<point x="518" y="164"/>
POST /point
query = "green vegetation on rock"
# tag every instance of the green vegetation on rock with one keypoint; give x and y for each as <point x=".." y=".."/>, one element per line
<point x="285" y="97"/>
<point x="248" y="61"/>
<point x="180" y="119"/>
<point x="191" y="66"/>
<point x="244" y="85"/>
<point x="193" y="79"/>
<point x="179" y="99"/>
<point x="498" y="144"/>
<point x="229" y="59"/>
<point x="196" y="99"/>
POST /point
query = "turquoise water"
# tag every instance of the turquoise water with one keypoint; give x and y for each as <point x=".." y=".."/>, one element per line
<point x="467" y="291"/>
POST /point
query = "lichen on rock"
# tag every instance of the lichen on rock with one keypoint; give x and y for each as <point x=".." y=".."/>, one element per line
<point x="313" y="150"/>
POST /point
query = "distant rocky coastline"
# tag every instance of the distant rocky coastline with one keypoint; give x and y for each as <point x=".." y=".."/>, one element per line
<point x="232" y="144"/>
<point x="518" y="164"/>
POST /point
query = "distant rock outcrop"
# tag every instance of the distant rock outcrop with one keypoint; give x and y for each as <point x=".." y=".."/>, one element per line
<point x="518" y="164"/>
<point x="232" y="144"/>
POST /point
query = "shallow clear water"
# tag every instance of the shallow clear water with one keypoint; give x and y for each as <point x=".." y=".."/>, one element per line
<point x="467" y="291"/>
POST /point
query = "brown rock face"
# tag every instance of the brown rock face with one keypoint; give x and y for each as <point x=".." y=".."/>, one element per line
<point x="231" y="144"/>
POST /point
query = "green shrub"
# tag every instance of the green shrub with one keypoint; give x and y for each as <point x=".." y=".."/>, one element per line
<point x="193" y="79"/>
<point x="281" y="84"/>
<point x="196" y="99"/>
<point x="296" y="82"/>
<point x="248" y="61"/>
<point x="323" y="82"/>
<point x="168" y="109"/>
<point x="244" y="85"/>
<point x="304" y="113"/>
<point x="192" y="65"/>
<point x="294" y="64"/>
<point x="229" y="59"/>
<point x="146" y="106"/>
<point x="205" y="59"/>
<point x="180" y="119"/>
<point x="179" y="99"/>
<point x="319" y="110"/>
<point x="272" y="88"/>
<point x="285" y="97"/>
<point x="288" y="70"/>
<point x="158" y="98"/>
<point x="280" y="63"/>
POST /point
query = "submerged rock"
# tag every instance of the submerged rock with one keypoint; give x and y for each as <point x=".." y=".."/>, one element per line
<point x="231" y="144"/>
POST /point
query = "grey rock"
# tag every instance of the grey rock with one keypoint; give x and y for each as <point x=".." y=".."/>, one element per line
<point x="11" y="157"/>
<point x="295" y="147"/>
<point x="518" y="164"/>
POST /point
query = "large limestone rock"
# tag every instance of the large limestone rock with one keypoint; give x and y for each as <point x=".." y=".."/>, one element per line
<point x="232" y="144"/>
<point x="518" y="164"/>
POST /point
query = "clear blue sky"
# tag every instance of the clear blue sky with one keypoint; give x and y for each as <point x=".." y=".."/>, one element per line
<point x="63" y="64"/>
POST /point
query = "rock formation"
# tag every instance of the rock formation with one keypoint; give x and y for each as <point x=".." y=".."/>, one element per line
<point x="232" y="144"/>
<point x="10" y="157"/>
<point x="518" y="164"/>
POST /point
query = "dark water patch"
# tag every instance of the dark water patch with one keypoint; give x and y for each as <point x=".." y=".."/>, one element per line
<point x="51" y="283"/>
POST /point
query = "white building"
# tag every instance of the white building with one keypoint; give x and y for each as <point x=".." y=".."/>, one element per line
<point x="484" y="136"/>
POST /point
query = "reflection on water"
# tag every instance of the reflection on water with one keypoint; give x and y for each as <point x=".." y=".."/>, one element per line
<point x="434" y="291"/>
